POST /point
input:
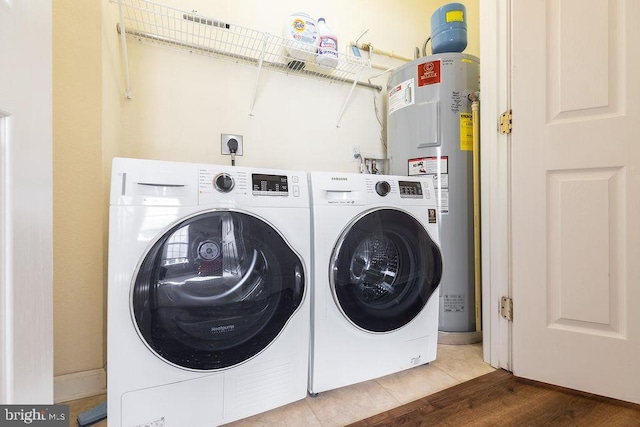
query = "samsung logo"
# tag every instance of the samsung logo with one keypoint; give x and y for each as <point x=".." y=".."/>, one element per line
<point x="338" y="178"/>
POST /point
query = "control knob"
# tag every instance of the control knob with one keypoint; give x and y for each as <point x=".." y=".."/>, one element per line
<point x="383" y="188"/>
<point x="223" y="183"/>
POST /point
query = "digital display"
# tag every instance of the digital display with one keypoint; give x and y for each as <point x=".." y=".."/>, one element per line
<point x="410" y="189"/>
<point x="275" y="184"/>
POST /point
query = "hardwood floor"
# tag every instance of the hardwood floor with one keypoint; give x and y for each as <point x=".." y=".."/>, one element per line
<point x="499" y="398"/>
<point x="493" y="399"/>
<point x="78" y="406"/>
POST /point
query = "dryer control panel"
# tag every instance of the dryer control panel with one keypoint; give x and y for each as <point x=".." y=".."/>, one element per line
<point x="269" y="185"/>
<point x="258" y="187"/>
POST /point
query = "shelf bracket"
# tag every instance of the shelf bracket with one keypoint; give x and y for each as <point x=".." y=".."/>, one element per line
<point x="265" y="37"/>
<point x="346" y="101"/>
<point x="125" y="56"/>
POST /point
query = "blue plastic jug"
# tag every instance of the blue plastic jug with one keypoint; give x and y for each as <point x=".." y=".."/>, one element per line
<point x="449" y="28"/>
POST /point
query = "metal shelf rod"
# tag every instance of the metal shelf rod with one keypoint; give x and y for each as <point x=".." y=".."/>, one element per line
<point x="123" y="41"/>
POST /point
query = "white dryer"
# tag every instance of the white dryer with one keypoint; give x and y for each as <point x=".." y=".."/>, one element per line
<point x="376" y="269"/>
<point x="208" y="306"/>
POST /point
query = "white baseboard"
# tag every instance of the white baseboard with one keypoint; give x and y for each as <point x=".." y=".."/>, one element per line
<point x="79" y="385"/>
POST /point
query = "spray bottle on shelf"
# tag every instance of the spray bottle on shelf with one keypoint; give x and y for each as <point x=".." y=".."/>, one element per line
<point x="327" y="55"/>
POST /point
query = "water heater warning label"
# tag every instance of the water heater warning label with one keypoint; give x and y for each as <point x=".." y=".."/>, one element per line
<point x="466" y="132"/>
<point x="453" y="303"/>
<point x="402" y="95"/>
<point x="429" y="165"/>
<point x="437" y="167"/>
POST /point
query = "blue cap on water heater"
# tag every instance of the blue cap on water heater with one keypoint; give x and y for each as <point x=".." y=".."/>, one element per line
<point x="449" y="28"/>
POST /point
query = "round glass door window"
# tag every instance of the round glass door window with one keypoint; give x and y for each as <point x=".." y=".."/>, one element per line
<point x="215" y="290"/>
<point x="385" y="267"/>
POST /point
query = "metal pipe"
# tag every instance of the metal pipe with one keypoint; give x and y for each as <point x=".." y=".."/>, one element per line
<point x="367" y="47"/>
<point x="123" y="41"/>
<point x="476" y="208"/>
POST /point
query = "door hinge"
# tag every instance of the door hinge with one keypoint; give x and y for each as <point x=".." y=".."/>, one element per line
<point x="506" y="308"/>
<point x="506" y="122"/>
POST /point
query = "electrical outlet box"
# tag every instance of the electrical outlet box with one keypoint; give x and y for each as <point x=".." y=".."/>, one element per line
<point x="225" y="138"/>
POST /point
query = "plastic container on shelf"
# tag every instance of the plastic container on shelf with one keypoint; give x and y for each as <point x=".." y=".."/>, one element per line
<point x="449" y="28"/>
<point x="301" y="38"/>
<point x="327" y="55"/>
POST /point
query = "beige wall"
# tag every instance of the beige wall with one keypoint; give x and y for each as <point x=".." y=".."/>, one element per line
<point x="77" y="188"/>
<point x="181" y="103"/>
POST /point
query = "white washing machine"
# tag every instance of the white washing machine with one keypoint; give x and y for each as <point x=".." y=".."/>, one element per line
<point x="208" y="305"/>
<point x="376" y="269"/>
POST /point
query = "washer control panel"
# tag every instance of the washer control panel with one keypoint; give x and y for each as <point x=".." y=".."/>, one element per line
<point x="352" y="189"/>
<point x="410" y="189"/>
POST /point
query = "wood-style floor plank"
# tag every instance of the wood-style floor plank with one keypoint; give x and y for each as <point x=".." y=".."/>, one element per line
<point x="500" y="399"/>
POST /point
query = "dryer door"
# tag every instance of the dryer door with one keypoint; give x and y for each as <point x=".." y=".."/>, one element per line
<point x="215" y="290"/>
<point x="385" y="267"/>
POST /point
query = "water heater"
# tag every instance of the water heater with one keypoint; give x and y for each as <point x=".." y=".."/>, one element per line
<point x="429" y="132"/>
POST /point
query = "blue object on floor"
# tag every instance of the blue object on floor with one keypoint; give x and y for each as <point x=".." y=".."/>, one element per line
<point x="92" y="415"/>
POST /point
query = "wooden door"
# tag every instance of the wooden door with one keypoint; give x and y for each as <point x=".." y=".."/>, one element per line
<point x="575" y="194"/>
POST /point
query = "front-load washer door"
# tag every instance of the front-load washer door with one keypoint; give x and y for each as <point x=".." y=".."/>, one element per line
<point x="215" y="290"/>
<point x="384" y="269"/>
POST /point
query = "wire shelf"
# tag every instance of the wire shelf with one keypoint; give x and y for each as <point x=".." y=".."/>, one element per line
<point x="169" y="26"/>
